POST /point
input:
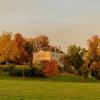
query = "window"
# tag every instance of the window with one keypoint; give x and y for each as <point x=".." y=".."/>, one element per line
<point x="53" y="55"/>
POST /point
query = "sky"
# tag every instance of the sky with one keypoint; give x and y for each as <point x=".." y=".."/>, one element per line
<point x="65" y="22"/>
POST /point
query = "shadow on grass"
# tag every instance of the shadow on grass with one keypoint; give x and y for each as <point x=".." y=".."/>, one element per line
<point x="60" y="78"/>
<point x="70" y="79"/>
<point x="74" y="79"/>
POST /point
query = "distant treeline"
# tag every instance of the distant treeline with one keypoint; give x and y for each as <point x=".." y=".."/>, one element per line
<point x="18" y="50"/>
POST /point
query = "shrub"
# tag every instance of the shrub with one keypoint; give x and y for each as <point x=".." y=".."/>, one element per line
<point x="61" y="69"/>
<point x="84" y="70"/>
<point x="10" y="68"/>
<point x="20" y="70"/>
<point x="50" y="69"/>
<point x="38" y="69"/>
<point x="70" y="69"/>
<point x="3" y="68"/>
<point x="95" y="70"/>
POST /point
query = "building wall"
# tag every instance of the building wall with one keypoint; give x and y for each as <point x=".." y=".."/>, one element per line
<point x="41" y="56"/>
<point x="46" y="56"/>
<point x="56" y="56"/>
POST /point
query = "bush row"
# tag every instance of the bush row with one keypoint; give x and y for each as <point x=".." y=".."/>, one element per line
<point x="20" y="70"/>
<point x="43" y="69"/>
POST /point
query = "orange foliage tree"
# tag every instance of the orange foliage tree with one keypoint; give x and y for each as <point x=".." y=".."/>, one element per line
<point x="95" y="69"/>
<point x="94" y="56"/>
<point x="42" y="42"/>
<point x="5" y="47"/>
<point x="94" y="47"/>
<point x="50" y="68"/>
<point x="18" y="52"/>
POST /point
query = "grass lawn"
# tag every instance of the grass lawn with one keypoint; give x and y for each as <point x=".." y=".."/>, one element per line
<point x="56" y="88"/>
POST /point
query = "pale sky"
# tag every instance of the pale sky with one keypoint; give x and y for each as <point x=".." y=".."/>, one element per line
<point x="66" y="22"/>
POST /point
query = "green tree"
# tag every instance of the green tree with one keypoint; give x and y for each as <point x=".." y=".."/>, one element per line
<point x="76" y="56"/>
<point x="66" y="61"/>
<point x="84" y="70"/>
<point x="30" y="47"/>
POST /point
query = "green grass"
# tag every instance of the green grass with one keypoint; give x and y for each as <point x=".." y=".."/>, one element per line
<point x="56" y="88"/>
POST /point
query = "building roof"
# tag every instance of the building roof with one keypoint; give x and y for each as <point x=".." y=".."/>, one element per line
<point x="53" y="49"/>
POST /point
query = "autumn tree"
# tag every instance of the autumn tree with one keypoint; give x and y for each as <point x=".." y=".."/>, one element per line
<point x="95" y="70"/>
<point x="42" y="42"/>
<point x="5" y="47"/>
<point x="93" y="57"/>
<point x="18" y="53"/>
<point x="94" y="48"/>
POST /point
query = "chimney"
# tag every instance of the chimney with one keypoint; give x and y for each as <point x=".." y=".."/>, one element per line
<point x="59" y="48"/>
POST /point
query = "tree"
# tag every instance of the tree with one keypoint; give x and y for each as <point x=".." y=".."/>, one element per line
<point x="95" y="70"/>
<point x="84" y="70"/>
<point x="93" y="56"/>
<point x="5" y="47"/>
<point x="94" y="48"/>
<point x="30" y="47"/>
<point x="76" y="56"/>
<point x="42" y="42"/>
<point x="18" y="52"/>
<point x="66" y="61"/>
<point x="73" y="60"/>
